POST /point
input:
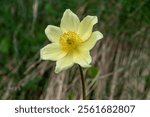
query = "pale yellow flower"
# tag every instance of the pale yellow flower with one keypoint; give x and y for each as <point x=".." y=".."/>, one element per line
<point x="71" y="42"/>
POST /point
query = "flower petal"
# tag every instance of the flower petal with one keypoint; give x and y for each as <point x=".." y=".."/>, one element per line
<point x="52" y="52"/>
<point x="89" y="44"/>
<point x="64" y="63"/>
<point x="82" y="58"/>
<point x="53" y="33"/>
<point x="69" y="21"/>
<point x="86" y="26"/>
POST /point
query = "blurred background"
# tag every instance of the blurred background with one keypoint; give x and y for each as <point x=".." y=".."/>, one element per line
<point x="121" y="60"/>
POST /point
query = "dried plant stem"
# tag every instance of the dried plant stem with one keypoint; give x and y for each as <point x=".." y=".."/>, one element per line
<point x="83" y="83"/>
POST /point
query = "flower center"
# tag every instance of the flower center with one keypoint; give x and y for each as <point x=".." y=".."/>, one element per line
<point x="69" y="41"/>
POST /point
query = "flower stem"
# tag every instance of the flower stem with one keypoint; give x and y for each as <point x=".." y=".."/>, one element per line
<point x="83" y="83"/>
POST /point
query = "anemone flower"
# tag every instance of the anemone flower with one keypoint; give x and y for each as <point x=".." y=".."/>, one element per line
<point x="71" y="42"/>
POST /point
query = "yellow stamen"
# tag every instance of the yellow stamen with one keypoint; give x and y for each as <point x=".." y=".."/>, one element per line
<point x="69" y="41"/>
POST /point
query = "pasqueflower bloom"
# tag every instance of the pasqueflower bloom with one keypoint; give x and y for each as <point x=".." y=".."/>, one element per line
<point x="71" y="42"/>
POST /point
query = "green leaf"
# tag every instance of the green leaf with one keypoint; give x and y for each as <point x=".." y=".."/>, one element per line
<point x="92" y="72"/>
<point x="5" y="45"/>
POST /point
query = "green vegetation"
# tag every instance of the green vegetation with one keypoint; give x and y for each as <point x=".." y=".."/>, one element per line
<point x="121" y="60"/>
